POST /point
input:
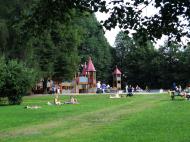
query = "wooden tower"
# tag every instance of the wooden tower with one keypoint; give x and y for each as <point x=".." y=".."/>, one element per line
<point x="117" y="78"/>
<point x="91" y="74"/>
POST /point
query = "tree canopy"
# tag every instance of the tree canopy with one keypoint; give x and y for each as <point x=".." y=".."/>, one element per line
<point x="172" y="18"/>
<point x="145" y="65"/>
<point x="55" y="37"/>
<point x="56" y="50"/>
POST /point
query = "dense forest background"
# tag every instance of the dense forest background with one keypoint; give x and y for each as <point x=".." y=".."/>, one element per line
<point x="61" y="48"/>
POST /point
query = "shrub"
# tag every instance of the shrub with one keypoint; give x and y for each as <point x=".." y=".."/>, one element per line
<point x="15" y="80"/>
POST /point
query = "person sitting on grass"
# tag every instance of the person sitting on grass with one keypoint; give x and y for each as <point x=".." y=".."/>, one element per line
<point x="33" y="107"/>
<point x="56" y="100"/>
<point x="72" y="101"/>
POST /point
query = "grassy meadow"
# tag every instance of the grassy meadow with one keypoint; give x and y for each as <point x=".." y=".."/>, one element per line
<point x="141" y="118"/>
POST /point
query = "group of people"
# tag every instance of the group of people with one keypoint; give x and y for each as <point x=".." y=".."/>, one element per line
<point x="72" y="100"/>
<point x="56" y="89"/>
<point x="176" y="88"/>
<point x="179" y="91"/>
<point x="102" y="88"/>
<point x="130" y="88"/>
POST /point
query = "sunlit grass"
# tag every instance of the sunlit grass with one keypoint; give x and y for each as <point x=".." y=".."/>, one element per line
<point x="147" y="118"/>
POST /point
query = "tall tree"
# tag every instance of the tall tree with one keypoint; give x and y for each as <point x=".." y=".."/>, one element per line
<point x="128" y="15"/>
<point x="67" y="38"/>
<point x="4" y="35"/>
<point x="185" y="60"/>
<point x="134" y="59"/>
<point x="172" y="67"/>
<point x="94" y="44"/>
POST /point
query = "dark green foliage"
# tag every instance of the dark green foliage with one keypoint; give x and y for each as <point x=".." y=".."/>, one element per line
<point x="57" y="36"/>
<point x="58" y="49"/>
<point x="15" y="80"/>
<point x="4" y="34"/>
<point x="142" y="64"/>
<point x="2" y="72"/>
<point x="66" y="39"/>
<point x="134" y="60"/>
<point x="173" y="61"/>
<point x="11" y="19"/>
<point x="94" y="44"/>
<point x="44" y="54"/>
<point x="127" y="15"/>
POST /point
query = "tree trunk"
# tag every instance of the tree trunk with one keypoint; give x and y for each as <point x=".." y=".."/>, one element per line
<point x="45" y="85"/>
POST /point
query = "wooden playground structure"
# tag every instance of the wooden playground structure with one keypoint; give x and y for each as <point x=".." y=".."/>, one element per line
<point x="84" y="82"/>
<point x="117" y="78"/>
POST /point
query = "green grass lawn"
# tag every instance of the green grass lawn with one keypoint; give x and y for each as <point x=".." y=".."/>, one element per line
<point x="141" y="118"/>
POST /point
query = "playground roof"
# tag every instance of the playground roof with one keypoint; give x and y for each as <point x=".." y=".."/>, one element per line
<point x="90" y="66"/>
<point x="116" y="71"/>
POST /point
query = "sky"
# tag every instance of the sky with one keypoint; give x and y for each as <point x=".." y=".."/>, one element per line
<point x="110" y="35"/>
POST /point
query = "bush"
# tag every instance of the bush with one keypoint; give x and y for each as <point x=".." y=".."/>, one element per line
<point x="15" y="80"/>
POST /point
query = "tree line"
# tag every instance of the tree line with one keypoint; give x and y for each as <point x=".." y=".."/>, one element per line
<point x="145" y="65"/>
<point x="57" y="52"/>
<point x="50" y="43"/>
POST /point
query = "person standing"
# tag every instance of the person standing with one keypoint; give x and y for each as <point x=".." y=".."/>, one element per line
<point x="98" y="87"/>
<point x="174" y="86"/>
<point x="130" y="91"/>
<point x="58" y="90"/>
<point x="179" y="88"/>
<point x="103" y="87"/>
<point x="126" y="88"/>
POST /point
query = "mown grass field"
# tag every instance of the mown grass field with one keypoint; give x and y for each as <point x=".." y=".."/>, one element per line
<point x="141" y="118"/>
